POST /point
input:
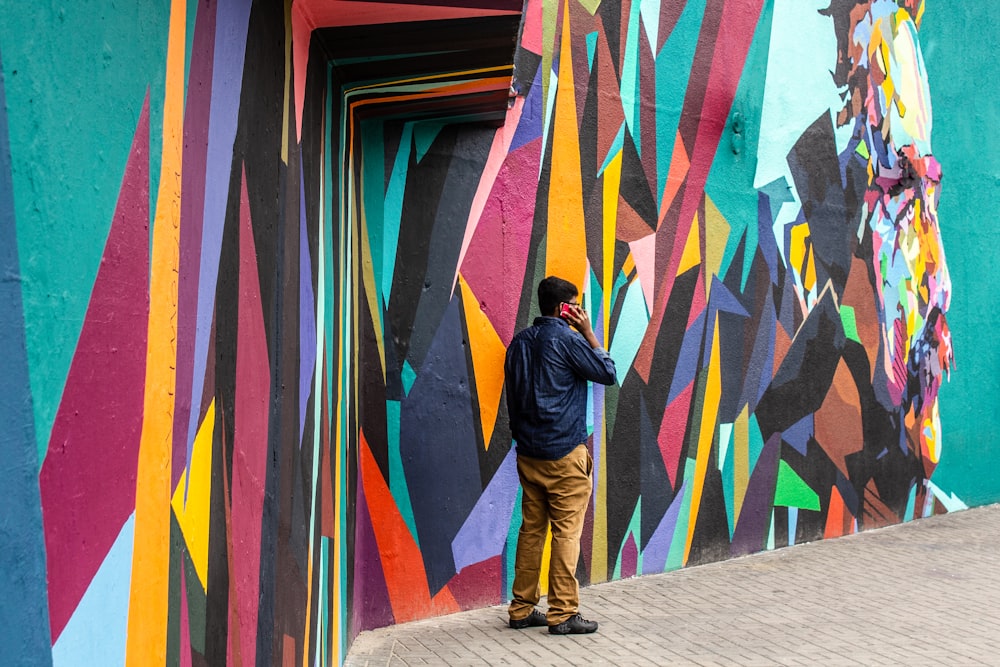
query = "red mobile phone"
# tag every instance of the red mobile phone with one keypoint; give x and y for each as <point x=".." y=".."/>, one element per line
<point x="564" y="310"/>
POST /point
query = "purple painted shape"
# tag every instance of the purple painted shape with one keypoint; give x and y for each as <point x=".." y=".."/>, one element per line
<point x="687" y="360"/>
<point x="529" y="127"/>
<point x="797" y="435"/>
<point x="654" y="556"/>
<point x="494" y="265"/>
<point x="252" y="400"/>
<point x="597" y="391"/>
<point x="371" y="607"/>
<point x="750" y="535"/>
<point x="760" y="368"/>
<point x="196" y="116"/>
<point x="484" y="532"/>
<point x="87" y="480"/>
<point x="630" y="558"/>
<point x="232" y="19"/>
<point x="307" y="309"/>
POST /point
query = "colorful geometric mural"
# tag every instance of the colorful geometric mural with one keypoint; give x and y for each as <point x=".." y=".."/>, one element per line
<point x="261" y="382"/>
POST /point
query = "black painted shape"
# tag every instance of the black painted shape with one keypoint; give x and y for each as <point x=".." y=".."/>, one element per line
<point x="815" y="168"/>
<point x="671" y="335"/>
<point x="271" y="192"/>
<point x="611" y="19"/>
<point x="623" y="462"/>
<point x="840" y="11"/>
<point x="780" y="526"/>
<point x="438" y="450"/>
<point x="393" y="366"/>
<point x="806" y="373"/>
<point x="592" y="185"/>
<point x="789" y="314"/>
<point x="424" y="185"/>
<point x="392" y="136"/>
<point x="492" y="457"/>
<point x="657" y="494"/>
<point x="371" y="389"/>
<point x="757" y="373"/>
<point x="526" y="66"/>
<point x="634" y="186"/>
<point x="734" y="332"/>
<point x="460" y="155"/>
<point x="618" y="298"/>
<point x="710" y="541"/>
<point x="849" y="494"/>
<point x="885" y="457"/>
<point x="390" y="51"/>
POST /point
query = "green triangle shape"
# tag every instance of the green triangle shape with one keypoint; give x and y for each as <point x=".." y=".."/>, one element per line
<point x="792" y="491"/>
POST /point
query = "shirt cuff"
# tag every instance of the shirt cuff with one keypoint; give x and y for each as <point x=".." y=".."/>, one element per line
<point x="601" y="352"/>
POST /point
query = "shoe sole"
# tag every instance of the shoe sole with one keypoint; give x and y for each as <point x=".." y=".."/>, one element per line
<point x="571" y="631"/>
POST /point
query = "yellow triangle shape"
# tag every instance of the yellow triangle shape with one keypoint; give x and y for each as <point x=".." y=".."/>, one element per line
<point x="191" y="501"/>
<point x="488" y="354"/>
<point x="692" y="249"/>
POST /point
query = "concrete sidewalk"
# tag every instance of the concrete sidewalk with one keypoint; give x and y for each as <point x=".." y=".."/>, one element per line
<point x="926" y="592"/>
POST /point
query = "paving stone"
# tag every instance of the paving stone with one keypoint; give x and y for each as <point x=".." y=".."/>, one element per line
<point x="925" y="592"/>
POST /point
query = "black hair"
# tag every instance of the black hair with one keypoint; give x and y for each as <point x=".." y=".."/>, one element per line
<point x="552" y="291"/>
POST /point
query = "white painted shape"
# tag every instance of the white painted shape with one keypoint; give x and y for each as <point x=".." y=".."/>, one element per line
<point x="799" y="85"/>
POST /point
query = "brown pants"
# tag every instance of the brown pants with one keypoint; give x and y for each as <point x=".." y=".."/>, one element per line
<point x="556" y="493"/>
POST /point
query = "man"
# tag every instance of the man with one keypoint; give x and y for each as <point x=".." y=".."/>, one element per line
<point x="547" y="369"/>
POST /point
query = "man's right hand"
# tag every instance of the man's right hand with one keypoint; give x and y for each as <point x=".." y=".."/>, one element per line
<point x="579" y="320"/>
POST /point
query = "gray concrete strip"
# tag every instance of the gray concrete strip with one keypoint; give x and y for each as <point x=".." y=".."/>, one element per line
<point x="923" y="592"/>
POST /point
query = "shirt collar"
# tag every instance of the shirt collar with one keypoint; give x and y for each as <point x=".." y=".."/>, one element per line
<point x="549" y="320"/>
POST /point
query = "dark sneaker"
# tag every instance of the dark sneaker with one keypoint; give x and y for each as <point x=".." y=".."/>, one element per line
<point x="535" y="619"/>
<point x="574" y="625"/>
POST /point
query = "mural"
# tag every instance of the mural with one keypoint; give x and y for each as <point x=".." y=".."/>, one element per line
<point x="255" y="331"/>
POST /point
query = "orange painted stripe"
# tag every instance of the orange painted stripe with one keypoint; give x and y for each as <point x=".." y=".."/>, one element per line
<point x="566" y="240"/>
<point x="147" y="619"/>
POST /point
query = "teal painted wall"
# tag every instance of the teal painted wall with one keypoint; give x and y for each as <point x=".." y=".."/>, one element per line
<point x="963" y="74"/>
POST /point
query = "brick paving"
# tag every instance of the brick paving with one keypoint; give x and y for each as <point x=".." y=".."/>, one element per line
<point x="921" y="593"/>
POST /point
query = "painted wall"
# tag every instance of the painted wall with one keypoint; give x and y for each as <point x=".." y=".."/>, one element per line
<point x="257" y="287"/>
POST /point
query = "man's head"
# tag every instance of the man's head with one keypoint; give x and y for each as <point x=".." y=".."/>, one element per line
<point x="553" y="291"/>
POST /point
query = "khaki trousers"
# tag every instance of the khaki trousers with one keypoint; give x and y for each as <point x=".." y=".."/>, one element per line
<point x="556" y="493"/>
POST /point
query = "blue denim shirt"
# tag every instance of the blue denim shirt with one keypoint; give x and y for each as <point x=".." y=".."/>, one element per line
<point x="547" y="369"/>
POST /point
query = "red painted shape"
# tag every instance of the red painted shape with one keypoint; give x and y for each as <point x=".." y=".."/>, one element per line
<point x="402" y="563"/>
<point x="494" y="263"/>
<point x="250" y="413"/>
<point x="87" y="480"/>
<point x="835" y="516"/>
<point x="335" y="13"/>
<point x="476" y="585"/>
<point x="672" y="429"/>
<point x="630" y="557"/>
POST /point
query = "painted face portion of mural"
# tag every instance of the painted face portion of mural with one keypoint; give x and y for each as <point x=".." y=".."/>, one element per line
<point x="901" y="212"/>
<point x="295" y="379"/>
